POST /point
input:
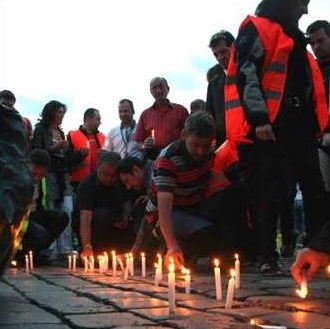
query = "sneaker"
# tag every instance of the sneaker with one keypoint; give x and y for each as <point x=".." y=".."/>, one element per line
<point x="268" y="269"/>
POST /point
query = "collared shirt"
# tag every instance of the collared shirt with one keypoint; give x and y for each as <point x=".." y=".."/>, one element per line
<point x="166" y="120"/>
<point x="119" y="139"/>
<point x="176" y="172"/>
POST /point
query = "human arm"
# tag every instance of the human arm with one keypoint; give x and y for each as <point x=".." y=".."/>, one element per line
<point x="250" y="56"/>
<point x="86" y="232"/>
<point x="308" y="260"/>
<point x="165" y="203"/>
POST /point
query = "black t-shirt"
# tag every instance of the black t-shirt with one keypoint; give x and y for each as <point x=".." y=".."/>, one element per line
<point x="92" y="195"/>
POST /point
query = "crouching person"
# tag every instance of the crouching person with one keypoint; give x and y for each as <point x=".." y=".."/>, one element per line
<point x="104" y="224"/>
<point x="45" y="226"/>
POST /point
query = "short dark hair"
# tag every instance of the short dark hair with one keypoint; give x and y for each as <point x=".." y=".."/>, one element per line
<point x="108" y="157"/>
<point x="8" y="95"/>
<point x="221" y="35"/>
<point x="40" y="158"/>
<point x="197" y="103"/>
<point x="90" y="112"/>
<point x="317" y="25"/>
<point x="200" y="124"/>
<point x="125" y="100"/>
<point x="126" y="165"/>
<point x="161" y="79"/>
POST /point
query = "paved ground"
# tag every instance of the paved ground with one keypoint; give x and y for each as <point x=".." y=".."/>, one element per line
<point x="55" y="298"/>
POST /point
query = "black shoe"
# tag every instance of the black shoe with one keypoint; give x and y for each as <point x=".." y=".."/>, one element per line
<point x="267" y="269"/>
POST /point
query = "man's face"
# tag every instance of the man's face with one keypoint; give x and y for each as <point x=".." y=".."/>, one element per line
<point x="133" y="180"/>
<point x="38" y="173"/>
<point x="94" y="121"/>
<point x="222" y="53"/>
<point x="159" y="90"/>
<point x="320" y="43"/>
<point x="199" y="148"/>
<point x="106" y="174"/>
<point x="125" y="112"/>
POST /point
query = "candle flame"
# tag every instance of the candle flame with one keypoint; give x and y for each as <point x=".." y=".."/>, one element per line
<point x="143" y="254"/>
<point x="236" y="256"/>
<point x="171" y="267"/>
<point x="113" y="253"/>
<point x="328" y="268"/>
<point x="171" y="260"/>
<point x="216" y="262"/>
<point x="252" y="322"/>
<point x="302" y="292"/>
<point x="185" y="270"/>
<point x="232" y="273"/>
<point x="14" y="263"/>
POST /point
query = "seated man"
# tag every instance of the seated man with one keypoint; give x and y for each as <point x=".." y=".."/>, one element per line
<point x="179" y="177"/>
<point x="45" y="226"/>
<point x="103" y="223"/>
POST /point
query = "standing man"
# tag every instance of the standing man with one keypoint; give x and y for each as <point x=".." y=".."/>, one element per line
<point x="276" y="106"/>
<point x="319" y="36"/>
<point x="162" y="123"/>
<point x="119" y="138"/>
<point x="84" y="145"/>
<point x="220" y="45"/>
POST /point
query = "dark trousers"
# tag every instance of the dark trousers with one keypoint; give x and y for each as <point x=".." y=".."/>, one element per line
<point x="43" y="229"/>
<point x="105" y="236"/>
<point x="270" y="186"/>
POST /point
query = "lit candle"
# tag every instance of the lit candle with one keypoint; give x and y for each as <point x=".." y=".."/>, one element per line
<point x="31" y="259"/>
<point x="127" y="265"/>
<point x="74" y="262"/>
<point x="114" y="263"/>
<point x="153" y="134"/>
<point x="92" y="263"/>
<point x="106" y="261"/>
<point x="187" y="279"/>
<point x="160" y="263"/>
<point x="303" y="291"/>
<point x="231" y="290"/>
<point x="171" y="289"/>
<point x="85" y="263"/>
<point x="237" y="272"/>
<point x="143" y="264"/>
<point x="217" y="279"/>
<point x="121" y="264"/>
<point x="328" y="269"/>
<point x="157" y="275"/>
<point x="69" y="262"/>
<point x="131" y="264"/>
<point x="27" y="264"/>
<point x="101" y="264"/>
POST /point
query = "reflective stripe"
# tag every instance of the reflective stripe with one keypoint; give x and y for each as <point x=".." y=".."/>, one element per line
<point x="276" y="67"/>
<point x="272" y="94"/>
<point x="229" y="105"/>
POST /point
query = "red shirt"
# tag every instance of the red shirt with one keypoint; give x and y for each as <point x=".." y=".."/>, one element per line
<point x="167" y="121"/>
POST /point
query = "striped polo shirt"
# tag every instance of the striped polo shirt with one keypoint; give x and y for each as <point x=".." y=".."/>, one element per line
<point x="176" y="172"/>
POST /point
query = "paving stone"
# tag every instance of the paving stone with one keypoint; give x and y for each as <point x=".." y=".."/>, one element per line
<point x="161" y="314"/>
<point x="270" y="301"/>
<point x="244" y="313"/>
<point x="204" y="321"/>
<point x="315" y="306"/>
<point x="298" y="320"/>
<point x="203" y="304"/>
<point x="68" y="304"/>
<point x="31" y="316"/>
<point x="108" y="320"/>
<point x="36" y="326"/>
<point x="73" y="283"/>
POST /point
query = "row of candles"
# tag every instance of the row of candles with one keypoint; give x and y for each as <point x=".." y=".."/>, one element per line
<point x="128" y="270"/>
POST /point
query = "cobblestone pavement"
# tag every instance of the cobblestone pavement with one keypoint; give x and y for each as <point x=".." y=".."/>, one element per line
<point x="55" y="298"/>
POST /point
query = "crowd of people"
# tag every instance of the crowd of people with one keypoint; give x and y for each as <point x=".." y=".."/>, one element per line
<point x="218" y="180"/>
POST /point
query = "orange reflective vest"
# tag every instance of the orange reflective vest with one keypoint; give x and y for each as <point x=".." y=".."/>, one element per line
<point x="225" y="156"/>
<point x="278" y="47"/>
<point x="80" y="140"/>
